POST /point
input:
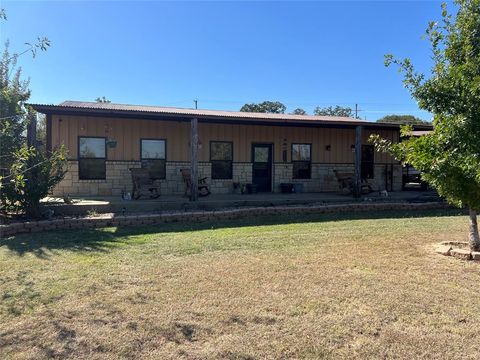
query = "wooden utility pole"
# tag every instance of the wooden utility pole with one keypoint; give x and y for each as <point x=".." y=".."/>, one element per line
<point x="358" y="161"/>
<point x="194" y="162"/>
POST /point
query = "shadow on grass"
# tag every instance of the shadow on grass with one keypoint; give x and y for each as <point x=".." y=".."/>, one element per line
<point x="41" y="244"/>
<point x="97" y="240"/>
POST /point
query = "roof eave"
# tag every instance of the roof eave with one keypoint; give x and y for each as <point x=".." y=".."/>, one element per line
<point x="132" y="114"/>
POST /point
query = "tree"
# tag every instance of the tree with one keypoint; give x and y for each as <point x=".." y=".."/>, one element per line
<point x="402" y="119"/>
<point x="102" y="99"/>
<point x="270" y="107"/>
<point x="28" y="174"/>
<point x="299" y="111"/>
<point x="13" y="94"/>
<point x="334" y="111"/>
<point x="449" y="156"/>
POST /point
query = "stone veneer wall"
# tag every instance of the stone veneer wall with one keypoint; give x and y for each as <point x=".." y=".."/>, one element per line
<point x="118" y="178"/>
<point x="323" y="178"/>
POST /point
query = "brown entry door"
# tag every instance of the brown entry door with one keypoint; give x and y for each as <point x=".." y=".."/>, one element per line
<point x="262" y="167"/>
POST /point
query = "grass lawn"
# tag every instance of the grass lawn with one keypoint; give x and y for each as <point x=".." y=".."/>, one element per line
<point x="352" y="286"/>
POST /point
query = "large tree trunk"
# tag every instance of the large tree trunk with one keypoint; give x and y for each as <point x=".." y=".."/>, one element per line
<point x="473" y="235"/>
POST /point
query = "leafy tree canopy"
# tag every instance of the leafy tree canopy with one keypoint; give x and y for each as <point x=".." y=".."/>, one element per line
<point x="102" y="99"/>
<point x="299" y="111"/>
<point x="334" y="111"/>
<point x="14" y="93"/>
<point x="402" y="119"/>
<point x="449" y="156"/>
<point x="271" y="107"/>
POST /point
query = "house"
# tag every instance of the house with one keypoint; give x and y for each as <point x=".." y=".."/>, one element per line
<point x="105" y="140"/>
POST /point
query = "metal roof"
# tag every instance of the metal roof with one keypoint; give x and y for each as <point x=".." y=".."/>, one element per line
<point x="160" y="112"/>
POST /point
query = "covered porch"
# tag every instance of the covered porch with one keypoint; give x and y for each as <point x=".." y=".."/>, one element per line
<point x="115" y="204"/>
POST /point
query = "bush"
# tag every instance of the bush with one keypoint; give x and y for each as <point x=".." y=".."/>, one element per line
<point x="33" y="175"/>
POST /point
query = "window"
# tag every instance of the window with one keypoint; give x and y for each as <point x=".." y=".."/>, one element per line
<point x="153" y="157"/>
<point x="221" y="157"/>
<point x="302" y="161"/>
<point x="92" y="154"/>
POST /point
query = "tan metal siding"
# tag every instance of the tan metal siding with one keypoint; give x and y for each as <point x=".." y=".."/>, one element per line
<point x="128" y="132"/>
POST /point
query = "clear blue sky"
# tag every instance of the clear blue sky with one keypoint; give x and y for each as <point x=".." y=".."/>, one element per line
<point x="223" y="53"/>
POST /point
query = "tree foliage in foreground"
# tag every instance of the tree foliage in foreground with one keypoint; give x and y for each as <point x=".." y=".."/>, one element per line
<point x="33" y="174"/>
<point x="448" y="157"/>
<point x="269" y="107"/>
<point x="13" y="94"/>
<point x="27" y="174"/>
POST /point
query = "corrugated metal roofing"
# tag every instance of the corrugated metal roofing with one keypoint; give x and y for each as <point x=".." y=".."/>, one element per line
<point x="200" y="113"/>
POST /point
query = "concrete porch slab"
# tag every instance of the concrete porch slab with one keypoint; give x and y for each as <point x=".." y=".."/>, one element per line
<point x="220" y="201"/>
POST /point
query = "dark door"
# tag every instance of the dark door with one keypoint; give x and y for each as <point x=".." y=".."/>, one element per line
<point x="262" y="167"/>
<point x="368" y="156"/>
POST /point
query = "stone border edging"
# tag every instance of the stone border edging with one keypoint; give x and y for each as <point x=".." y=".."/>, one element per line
<point x="452" y="249"/>
<point x="200" y="216"/>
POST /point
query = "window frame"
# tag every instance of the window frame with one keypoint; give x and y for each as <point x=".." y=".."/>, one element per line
<point x="301" y="161"/>
<point x="213" y="161"/>
<point x="147" y="159"/>
<point x="104" y="158"/>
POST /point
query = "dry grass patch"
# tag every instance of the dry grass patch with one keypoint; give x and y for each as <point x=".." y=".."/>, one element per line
<point x="316" y="287"/>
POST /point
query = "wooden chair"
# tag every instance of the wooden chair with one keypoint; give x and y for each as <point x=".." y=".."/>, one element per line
<point x="346" y="182"/>
<point x="143" y="184"/>
<point x="203" y="189"/>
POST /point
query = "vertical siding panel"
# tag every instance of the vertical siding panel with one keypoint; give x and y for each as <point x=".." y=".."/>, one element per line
<point x="342" y="154"/>
<point x="54" y="131"/>
<point x="284" y="135"/>
<point x="176" y="140"/>
<point x="112" y="134"/>
<point x="335" y="145"/>
<point x="236" y="142"/>
<point x="317" y="149"/>
<point x="184" y="139"/>
<point x="279" y="141"/>
<point x="128" y="138"/>
<point x="201" y="140"/>
<point x="136" y="140"/>
<point x="72" y="132"/>
<point x="245" y="140"/>
<point x="311" y="136"/>
<point x="326" y="141"/>
<point x="329" y="140"/>
<point x="345" y="146"/>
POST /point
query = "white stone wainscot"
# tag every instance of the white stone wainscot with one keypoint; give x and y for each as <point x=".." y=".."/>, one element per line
<point x="118" y="178"/>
